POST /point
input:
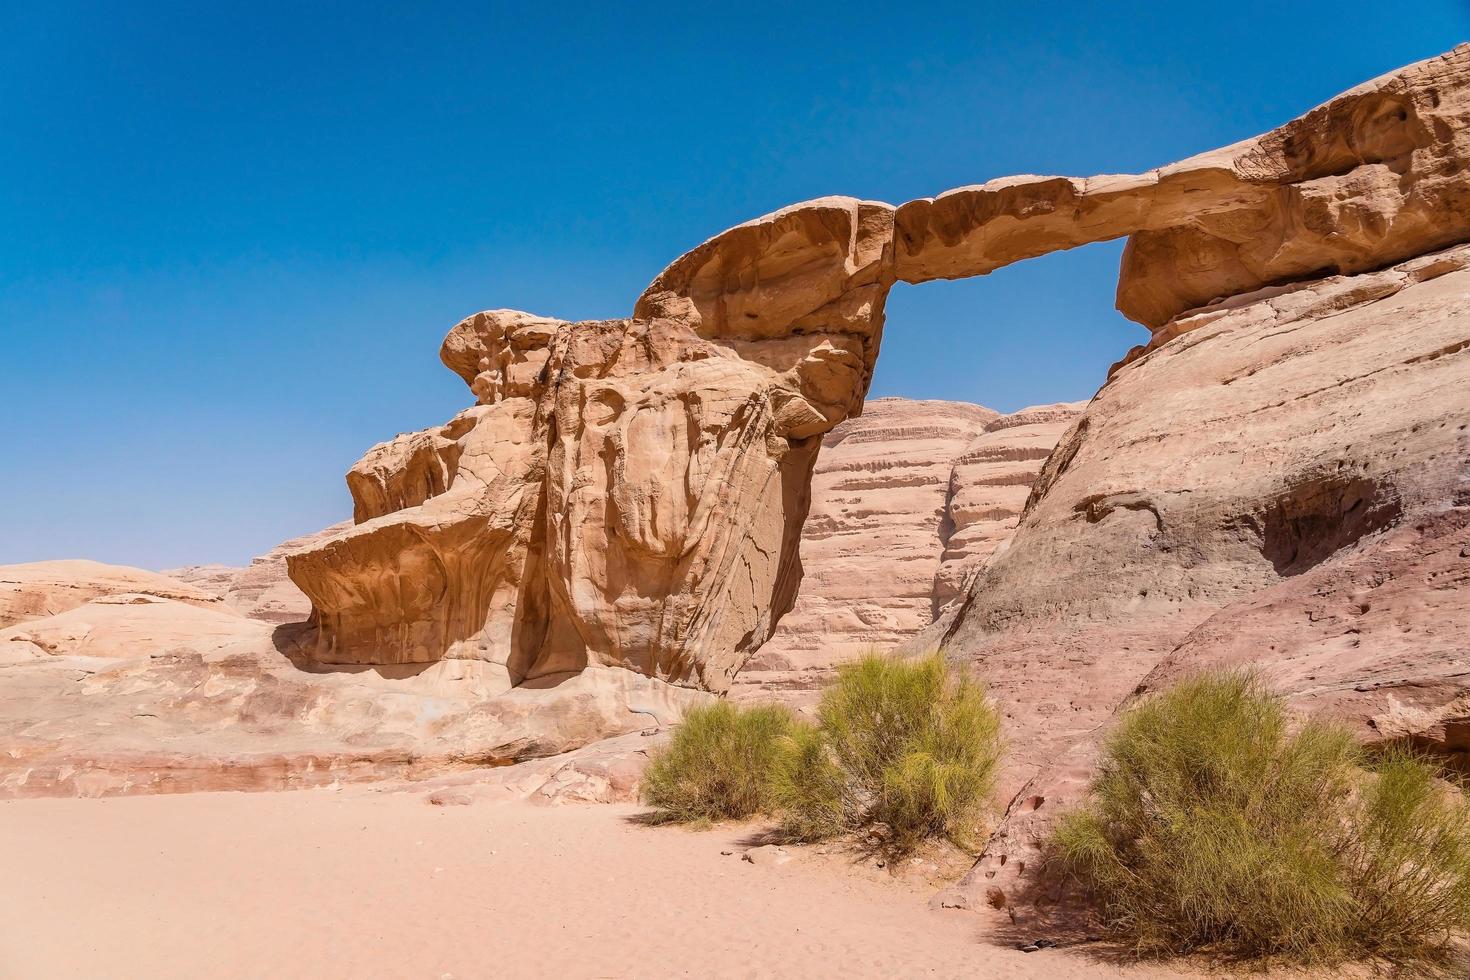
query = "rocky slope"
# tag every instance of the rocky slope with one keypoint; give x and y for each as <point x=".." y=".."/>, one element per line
<point x="45" y="588"/>
<point x="1283" y="480"/>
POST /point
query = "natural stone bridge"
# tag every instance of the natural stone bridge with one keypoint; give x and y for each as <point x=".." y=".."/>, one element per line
<point x="631" y="492"/>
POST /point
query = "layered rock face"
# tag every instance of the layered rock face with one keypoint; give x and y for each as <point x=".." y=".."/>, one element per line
<point x="1285" y="482"/>
<point x="989" y="484"/>
<point x="630" y="492"/>
<point x="626" y="493"/>
<point x="908" y="501"/>
<point x="872" y="542"/>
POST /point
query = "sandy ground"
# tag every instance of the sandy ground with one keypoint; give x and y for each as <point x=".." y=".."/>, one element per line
<point x="357" y="883"/>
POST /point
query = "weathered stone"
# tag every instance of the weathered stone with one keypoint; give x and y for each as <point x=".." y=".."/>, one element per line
<point x="45" y="588"/>
<point x="121" y="625"/>
<point x="1284" y="481"/>
<point x="988" y="487"/>
<point x="871" y="545"/>
<point x="638" y="504"/>
<point x="630" y="492"/>
<point x="261" y="590"/>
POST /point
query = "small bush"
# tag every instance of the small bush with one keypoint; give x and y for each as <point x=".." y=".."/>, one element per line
<point x="901" y="743"/>
<point x="718" y="764"/>
<point x="1213" y="827"/>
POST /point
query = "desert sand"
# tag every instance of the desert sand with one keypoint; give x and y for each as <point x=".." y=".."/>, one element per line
<point x="358" y="882"/>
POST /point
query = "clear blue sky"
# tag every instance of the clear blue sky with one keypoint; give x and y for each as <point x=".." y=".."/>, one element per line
<point x="230" y="242"/>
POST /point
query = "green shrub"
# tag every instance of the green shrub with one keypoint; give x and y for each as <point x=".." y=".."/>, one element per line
<point x="807" y="787"/>
<point x="718" y="763"/>
<point x="1408" y="860"/>
<point x="1212" y="826"/>
<point x="905" y="744"/>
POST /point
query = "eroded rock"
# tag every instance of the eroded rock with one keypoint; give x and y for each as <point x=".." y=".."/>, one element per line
<point x="44" y="588"/>
<point x="872" y="541"/>
<point x="1283" y="482"/>
<point x="630" y="492"/>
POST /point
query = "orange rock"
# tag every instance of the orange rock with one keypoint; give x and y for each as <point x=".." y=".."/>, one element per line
<point x="631" y="492"/>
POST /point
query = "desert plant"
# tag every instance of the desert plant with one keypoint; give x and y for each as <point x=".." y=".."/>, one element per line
<point x="1214" y="826"/>
<point x="807" y="787"/>
<point x="717" y="764"/>
<point x="902" y="743"/>
<point x="1408" y="860"/>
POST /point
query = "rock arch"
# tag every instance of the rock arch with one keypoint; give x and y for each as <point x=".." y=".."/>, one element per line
<point x="630" y="492"/>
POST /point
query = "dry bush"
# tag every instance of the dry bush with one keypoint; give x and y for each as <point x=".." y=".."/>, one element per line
<point x="901" y="744"/>
<point x="718" y="763"/>
<point x="1214" y="827"/>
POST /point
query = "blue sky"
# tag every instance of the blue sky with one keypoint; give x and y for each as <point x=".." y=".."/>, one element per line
<point x="230" y="241"/>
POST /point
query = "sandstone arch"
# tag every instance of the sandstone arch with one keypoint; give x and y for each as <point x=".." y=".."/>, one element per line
<point x="630" y="492"/>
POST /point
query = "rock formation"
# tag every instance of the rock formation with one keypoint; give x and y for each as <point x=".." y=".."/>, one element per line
<point x="1286" y="482"/>
<point x="988" y="486"/>
<point x="908" y="501"/>
<point x="630" y="492"/>
<point x="626" y="493"/>
<point x="45" y="588"/>
<point x="138" y="694"/>
<point x="619" y="513"/>
<point x="871" y="544"/>
<point x="261" y="590"/>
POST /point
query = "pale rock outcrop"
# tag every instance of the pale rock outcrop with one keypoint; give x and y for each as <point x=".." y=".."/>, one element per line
<point x="871" y="545"/>
<point x="630" y="492"/>
<point x="261" y="590"/>
<point x="228" y="704"/>
<point x="212" y="579"/>
<point x="988" y="486"/>
<point x="114" y="626"/>
<point x="44" y="588"/>
<point x="627" y="493"/>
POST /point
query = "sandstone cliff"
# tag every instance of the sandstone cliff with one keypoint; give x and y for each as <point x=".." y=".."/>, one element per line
<point x="871" y="544"/>
<point x="988" y="486"/>
<point x="1285" y="482"/>
<point x="631" y="492"/>
<point x="908" y="501"/>
<point x="617" y="517"/>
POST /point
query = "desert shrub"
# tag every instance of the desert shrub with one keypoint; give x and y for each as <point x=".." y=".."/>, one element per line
<point x="1213" y="826"/>
<point x="807" y="787"/>
<point x="1408" y="860"/>
<point x="717" y="765"/>
<point x="901" y="743"/>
